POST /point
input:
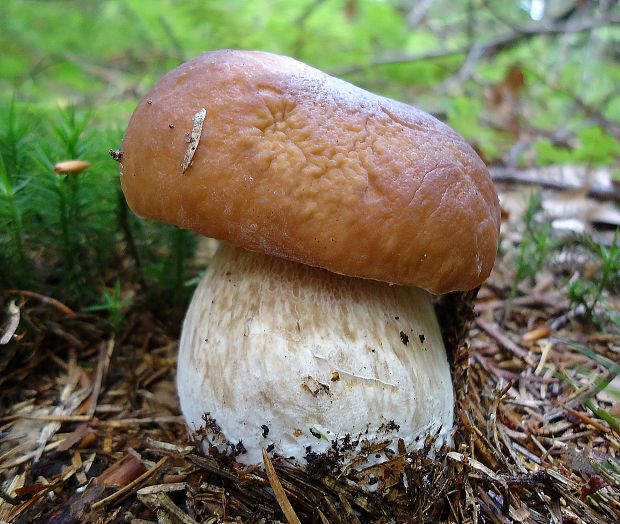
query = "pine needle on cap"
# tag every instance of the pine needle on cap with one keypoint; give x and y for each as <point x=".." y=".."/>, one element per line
<point x="194" y="138"/>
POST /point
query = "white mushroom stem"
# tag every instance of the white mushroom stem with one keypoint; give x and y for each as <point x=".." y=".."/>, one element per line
<point x="285" y="355"/>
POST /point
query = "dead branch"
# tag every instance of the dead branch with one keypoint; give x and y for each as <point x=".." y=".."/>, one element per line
<point x="487" y="49"/>
<point x="597" y="181"/>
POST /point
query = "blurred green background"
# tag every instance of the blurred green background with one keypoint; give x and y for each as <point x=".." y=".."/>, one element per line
<point x="528" y="83"/>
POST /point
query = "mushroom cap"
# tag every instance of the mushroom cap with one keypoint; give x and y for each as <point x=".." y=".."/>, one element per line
<point x="295" y="163"/>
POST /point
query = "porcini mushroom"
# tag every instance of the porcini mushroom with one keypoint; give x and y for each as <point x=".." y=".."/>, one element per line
<point x="341" y="213"/>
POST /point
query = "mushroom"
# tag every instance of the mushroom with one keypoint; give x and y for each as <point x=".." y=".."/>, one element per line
<point x="341" y="212"/>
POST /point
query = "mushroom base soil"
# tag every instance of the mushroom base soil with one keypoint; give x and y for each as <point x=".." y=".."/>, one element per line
<point x="90" y="428"/>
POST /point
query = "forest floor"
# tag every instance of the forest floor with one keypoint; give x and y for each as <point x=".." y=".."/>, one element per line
<point x="90" y="429"/>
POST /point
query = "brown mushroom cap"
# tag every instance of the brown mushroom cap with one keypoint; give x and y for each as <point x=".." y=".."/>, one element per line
<point x="295" y="163"/>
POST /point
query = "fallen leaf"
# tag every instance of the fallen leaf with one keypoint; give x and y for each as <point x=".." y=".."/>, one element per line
<point x="594" y="484"/>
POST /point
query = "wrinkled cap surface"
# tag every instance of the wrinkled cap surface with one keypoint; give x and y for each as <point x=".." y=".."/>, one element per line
<point x="295" y="163"/>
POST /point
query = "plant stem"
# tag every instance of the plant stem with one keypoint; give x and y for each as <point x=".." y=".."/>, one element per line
<point x="15" y="214"/>
<point x="123" y="220"/>
<point x="608" y="264"/>
<point x="64" y="225"/>
<point x="179" y="242"/>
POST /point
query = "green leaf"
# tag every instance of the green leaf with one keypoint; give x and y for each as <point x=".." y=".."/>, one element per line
<point x="596" y="147"/>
